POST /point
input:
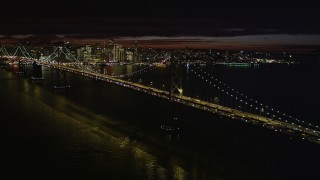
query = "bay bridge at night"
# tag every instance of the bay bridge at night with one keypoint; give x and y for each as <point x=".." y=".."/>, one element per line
<point x="239" y="106"/>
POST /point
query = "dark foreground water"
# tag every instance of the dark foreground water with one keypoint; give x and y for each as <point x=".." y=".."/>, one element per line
<point x="100" y="131"/>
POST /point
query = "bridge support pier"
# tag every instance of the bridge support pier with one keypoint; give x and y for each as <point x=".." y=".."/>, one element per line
<point x="62" y="75"/>
<point x="62" y="80"/>
<point x="37" y="72"/>
<point x="21" y="68"/>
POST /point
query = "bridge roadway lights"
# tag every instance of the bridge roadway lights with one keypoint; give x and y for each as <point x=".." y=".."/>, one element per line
<point x="311" y="135"/>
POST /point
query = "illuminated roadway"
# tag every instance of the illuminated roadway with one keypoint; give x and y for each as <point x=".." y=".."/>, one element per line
<point x="276" y="125"/>
<point x="290" y="128"/>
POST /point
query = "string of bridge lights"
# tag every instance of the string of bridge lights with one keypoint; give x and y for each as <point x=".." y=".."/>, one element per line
<point x="23" y="51"/>
<point x="4" y="54"/>
<point x="254" y="101"/>
<point x="76" y="63"/>
<point x="220" y="88"/>
<point x="4" y="51"/>
<point x="140" y="71"/>
<point x="27" y="52"/>
<point x="52" y="56"/>
<point x="15" y="52"/>
<point x="209" y="81"/>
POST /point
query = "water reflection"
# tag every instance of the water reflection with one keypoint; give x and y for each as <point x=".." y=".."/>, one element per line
<point x="96" y="130"/>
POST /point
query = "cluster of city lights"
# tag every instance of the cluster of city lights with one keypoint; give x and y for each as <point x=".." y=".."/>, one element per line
<point x="76" y="63"/>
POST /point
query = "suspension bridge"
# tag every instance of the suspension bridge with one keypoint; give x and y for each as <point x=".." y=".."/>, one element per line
<point x="240" y="106"/>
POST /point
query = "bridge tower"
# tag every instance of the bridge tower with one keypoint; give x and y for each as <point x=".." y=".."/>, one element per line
<point x="171" y="124"/>
<point x="175" y="77"/>
<point x="62" y="76"/>
<point x="37" y="71"/>
<point x="22" y="54"/>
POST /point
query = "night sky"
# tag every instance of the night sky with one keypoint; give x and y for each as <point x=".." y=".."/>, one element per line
<point x="209" y="24"/>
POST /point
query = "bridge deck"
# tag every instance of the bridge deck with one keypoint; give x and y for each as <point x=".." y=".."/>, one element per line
<point x="305" y="133"/>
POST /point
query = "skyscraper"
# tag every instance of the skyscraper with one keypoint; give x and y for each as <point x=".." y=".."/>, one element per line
<point x="135" y="53"/>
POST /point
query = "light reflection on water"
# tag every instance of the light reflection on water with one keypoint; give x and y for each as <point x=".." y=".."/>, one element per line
<point x="96" y="130"/>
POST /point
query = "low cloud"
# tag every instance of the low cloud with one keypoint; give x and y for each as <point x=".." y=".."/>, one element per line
<point x="21" y="36"/>
<point x="264" y="42"/>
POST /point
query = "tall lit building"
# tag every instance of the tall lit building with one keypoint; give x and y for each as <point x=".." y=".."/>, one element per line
<point x="129" y="55"/>
<point x="88" y="53"/>
<point x="135" y="53"/>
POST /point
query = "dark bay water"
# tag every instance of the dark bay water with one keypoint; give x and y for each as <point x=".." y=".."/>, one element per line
<point x="100" y="131"/>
